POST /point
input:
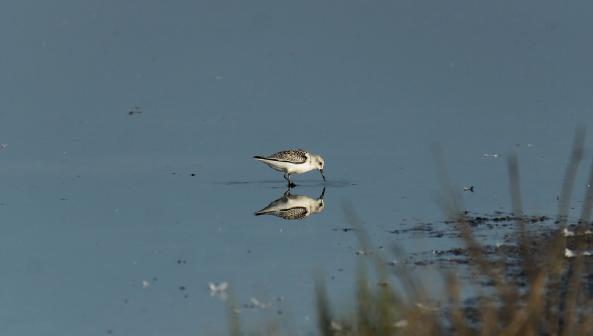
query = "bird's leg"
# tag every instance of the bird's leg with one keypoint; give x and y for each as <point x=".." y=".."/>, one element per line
<point x="287" y="178"/>
<point x="287" y="192"/>
<point x="322" y="194"/>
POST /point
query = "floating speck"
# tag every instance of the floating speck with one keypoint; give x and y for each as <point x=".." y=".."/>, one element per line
<point x="135" y="110"/>
<point x="401" y="324"/>
<point x="468" y="188"/>
<point x="258" y="304"/>
<point x="336" y="326"/>
<point x="491" y="156"/>
<point x="568" y="233"/>
<point x="219" y="290"/>
<point x="569" y="253"/>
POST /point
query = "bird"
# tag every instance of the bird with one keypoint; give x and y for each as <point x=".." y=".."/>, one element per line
<point x="293" y="161"/>
<point x="292" y="207"/>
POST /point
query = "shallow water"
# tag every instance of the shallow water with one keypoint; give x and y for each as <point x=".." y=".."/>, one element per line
<point x="127" y="179"/>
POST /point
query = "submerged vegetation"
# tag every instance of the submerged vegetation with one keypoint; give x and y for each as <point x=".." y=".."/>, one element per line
<point x="539" y="284"/>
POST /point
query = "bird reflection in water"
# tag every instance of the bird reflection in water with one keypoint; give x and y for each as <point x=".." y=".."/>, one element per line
<point x="291" y="207"/>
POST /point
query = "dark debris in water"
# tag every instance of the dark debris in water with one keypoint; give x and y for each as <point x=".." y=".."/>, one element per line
<point x="498" y="220"/>
<point x="498" y="217"/>
<point x="345" y="229"/>
<point x="506" y="252"/>
<point x="135" y="110"/>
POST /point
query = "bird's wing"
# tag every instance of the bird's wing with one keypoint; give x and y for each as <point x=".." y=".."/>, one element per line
<point x="293" y="156"/>
<point x="292" y="213"/>
<point x="274" y="204"/>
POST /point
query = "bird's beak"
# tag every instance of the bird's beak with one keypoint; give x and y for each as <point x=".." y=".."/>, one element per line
<point x="321" y="171"/>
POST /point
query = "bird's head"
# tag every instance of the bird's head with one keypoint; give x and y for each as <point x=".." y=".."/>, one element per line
<point x="318" y="206"/>
<point x="318" y="163"/>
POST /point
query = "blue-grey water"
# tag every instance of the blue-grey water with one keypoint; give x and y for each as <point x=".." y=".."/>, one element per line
<point x="127" y="178"/>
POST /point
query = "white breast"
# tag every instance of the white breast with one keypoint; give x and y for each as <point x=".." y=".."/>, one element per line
<point x="290" y="168"/>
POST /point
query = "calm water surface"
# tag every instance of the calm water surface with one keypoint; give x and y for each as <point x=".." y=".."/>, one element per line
<point x="115" y="222"/>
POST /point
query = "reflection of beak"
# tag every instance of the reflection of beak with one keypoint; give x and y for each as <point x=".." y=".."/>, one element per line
<point x="321" y="171"/>
<point x="322" y="194"/>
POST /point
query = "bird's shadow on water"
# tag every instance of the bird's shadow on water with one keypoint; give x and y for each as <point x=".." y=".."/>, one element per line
<point x="294" y="207"/>
<point x="279" y="184"/>
<point x="291" y="205"/>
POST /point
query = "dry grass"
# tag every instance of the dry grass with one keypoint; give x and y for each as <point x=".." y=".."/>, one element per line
<point x="548" y="296"/>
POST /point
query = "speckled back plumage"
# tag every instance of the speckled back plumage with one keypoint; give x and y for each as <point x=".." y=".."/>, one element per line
<point x="291" y="155"/>
<point x="292" y="213"/>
